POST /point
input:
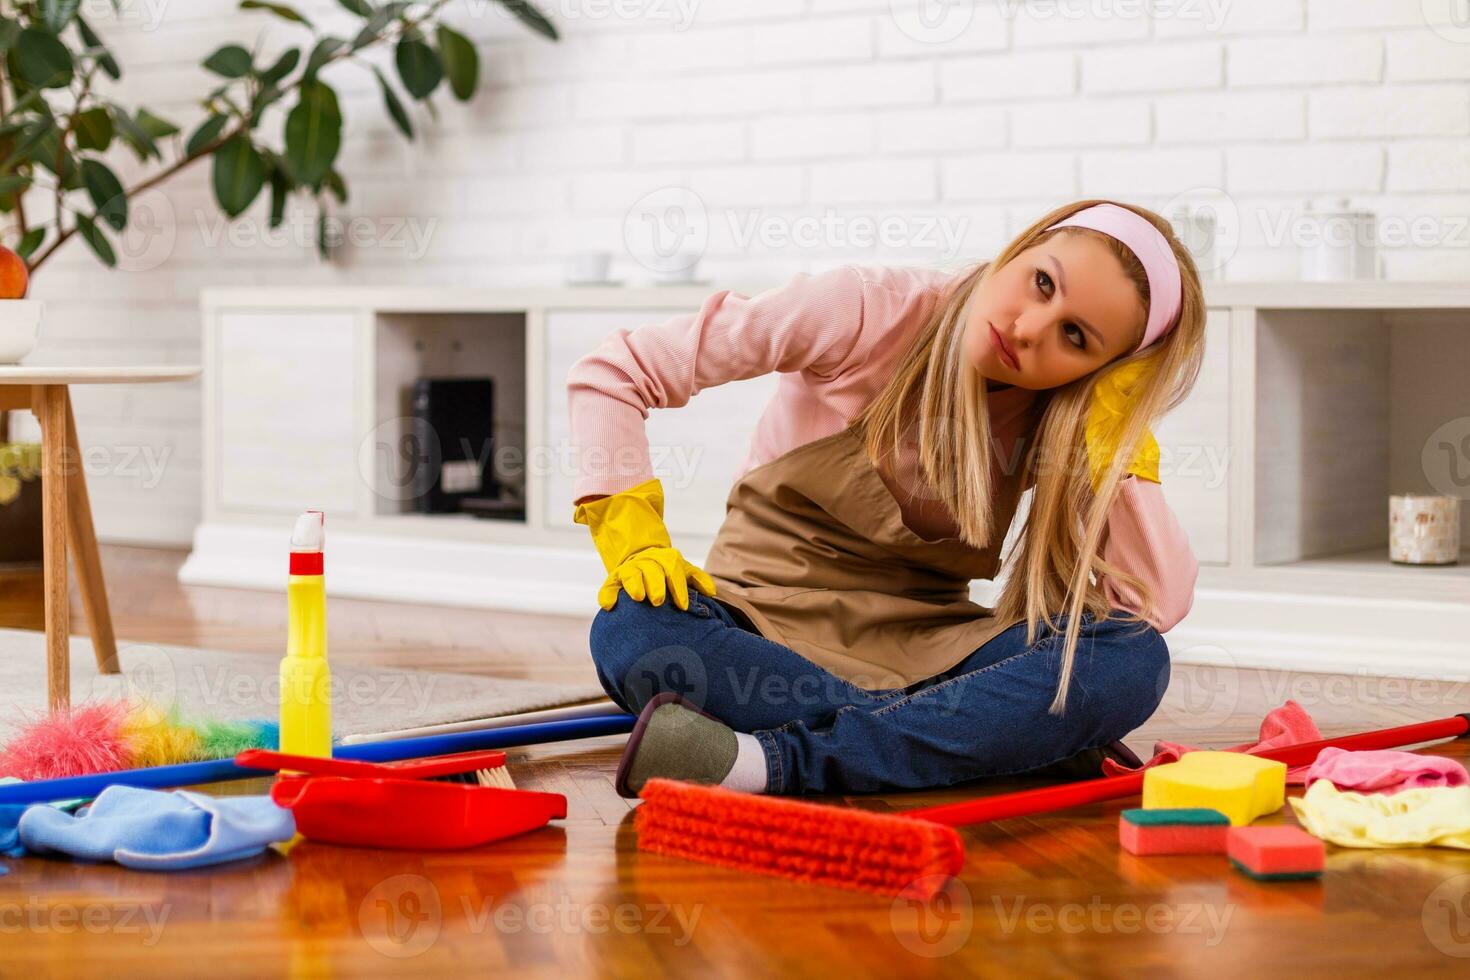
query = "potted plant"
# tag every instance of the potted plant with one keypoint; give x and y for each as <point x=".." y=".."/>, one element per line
<point x="269" y="125"/>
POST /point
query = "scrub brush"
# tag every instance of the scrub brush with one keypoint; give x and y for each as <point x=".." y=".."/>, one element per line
<point x="475" y="768"/>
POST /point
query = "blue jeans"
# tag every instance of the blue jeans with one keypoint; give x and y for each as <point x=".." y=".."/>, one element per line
<point x="986" y="716"/>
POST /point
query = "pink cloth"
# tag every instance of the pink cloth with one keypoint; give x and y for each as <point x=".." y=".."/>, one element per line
<point x="836" y="338"/>
<point x="1287" y="725"/>
<point x="1385" y="771"/>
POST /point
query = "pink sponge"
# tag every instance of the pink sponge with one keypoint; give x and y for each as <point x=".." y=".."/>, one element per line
<point x="1181" y="830"/>
<point x="1276" y="853"/>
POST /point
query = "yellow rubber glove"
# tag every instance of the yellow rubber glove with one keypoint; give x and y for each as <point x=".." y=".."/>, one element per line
<point x="1112" y="399"/>
<point x="628" y="532"/>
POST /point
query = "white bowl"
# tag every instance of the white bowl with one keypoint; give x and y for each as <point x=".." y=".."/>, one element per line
<point x="20" y="320"/>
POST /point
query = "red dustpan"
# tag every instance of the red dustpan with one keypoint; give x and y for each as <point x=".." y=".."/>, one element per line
<point x="411" y="813"/>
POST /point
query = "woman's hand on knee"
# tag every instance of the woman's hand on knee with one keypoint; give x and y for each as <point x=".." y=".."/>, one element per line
<point x="653" y="574"/>
<point x="629" y="534"/>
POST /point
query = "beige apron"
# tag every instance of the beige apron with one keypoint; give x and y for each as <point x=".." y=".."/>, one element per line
<point x="814" y="550"/>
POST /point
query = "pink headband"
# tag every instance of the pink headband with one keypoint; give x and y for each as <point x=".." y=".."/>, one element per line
<point x="1144" y="240"/>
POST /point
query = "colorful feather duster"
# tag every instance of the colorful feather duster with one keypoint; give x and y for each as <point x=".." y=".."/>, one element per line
<point x="108" y="736"/>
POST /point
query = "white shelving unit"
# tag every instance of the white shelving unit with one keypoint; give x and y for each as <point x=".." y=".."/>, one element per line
<point x="1315" y="402"/>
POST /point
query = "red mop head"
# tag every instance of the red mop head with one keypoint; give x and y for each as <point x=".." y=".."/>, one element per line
<point x="824" y="845"/>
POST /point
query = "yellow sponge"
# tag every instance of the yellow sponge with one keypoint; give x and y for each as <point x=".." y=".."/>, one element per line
<point x="1240" y="786"/>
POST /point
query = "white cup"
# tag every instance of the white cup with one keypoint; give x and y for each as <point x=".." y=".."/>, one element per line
<point x="20" y="322"/>
<point x="1341" y="244"/>
<point x="677" y="268"/>
<point x="1198" y="231"/>
<point x="588" y="266"/>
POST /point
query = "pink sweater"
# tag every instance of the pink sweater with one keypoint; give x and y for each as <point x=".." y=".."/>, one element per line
<point x="836" y="338"/>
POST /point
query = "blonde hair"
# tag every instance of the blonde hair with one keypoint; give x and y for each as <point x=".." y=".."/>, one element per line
<point x="1056" y="561"/>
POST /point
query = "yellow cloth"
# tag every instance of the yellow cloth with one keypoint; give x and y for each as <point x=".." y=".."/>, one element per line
<point x="1436" y="816"/>
<point x="1112" y="399"/>
<point x="629" y="534"/>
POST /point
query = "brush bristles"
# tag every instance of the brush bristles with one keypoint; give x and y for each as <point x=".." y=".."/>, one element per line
<point x="826" y="845"/>
<point x="499" y="778"/>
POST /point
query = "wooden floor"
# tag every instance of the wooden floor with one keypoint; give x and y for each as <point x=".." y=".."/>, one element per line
<point x="1050" y="896"/>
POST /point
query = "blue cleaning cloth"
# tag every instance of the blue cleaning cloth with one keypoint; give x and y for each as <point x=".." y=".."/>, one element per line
<point x="9" y="816"/>
<point x="153" y="830"/>
<point x="10" y="845"/>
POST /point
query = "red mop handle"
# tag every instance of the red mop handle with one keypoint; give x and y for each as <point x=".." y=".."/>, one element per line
<point x="1052" y="798"/>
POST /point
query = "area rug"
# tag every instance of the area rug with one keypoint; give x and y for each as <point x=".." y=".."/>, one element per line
<point x="245" y="686"/>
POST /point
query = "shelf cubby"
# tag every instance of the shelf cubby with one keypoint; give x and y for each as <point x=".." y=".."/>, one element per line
<point x="409" y="345"/>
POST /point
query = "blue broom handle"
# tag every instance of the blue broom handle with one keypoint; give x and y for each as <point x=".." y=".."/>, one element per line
<point x="220" y="770"/>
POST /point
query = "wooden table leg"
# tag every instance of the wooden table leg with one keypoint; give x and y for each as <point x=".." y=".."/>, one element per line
<point x="83" y="537"/>
<point x="49" y="404"/>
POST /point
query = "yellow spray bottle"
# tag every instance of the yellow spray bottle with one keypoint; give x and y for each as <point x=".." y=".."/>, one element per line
<point x="306" y="697"/>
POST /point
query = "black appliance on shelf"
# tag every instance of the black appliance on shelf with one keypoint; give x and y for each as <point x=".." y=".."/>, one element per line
<point x="454" y="426"/>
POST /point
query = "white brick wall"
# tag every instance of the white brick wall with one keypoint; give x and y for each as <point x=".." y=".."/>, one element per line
<point x="980" y="115"/>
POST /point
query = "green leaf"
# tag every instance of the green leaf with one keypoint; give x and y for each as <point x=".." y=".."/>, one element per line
<point x="32" y="104"/>
<point x="104" y="57"/>
<point x="52" y="156"/>
<point x="418" y="66"/>
<point x="359" y="7"/>
<point x="155" y="126"/>
<point x="279" y="9"/>
<point x="24" y="150"/>
<point x="94" y="129"/>
<point x="334" y="183"/>
<point x="94" y="237"/>
<point x="284" y="65"/>
<point x="30" y="241"/>
<point x="323" y="247"/>
<point x="13" y="184"/>
<point x="135" y="134"/>
<point x="395" y="106"/>
<point x="264" y="99"/>
<point x="320" y="55"/>
<point x="42" y="60"/>
<point x="106" y="192"/>
<point x="239" y="173"/>
<point x="207" y="133"/>
<point x="531" y="17"/>
<point x="313" y="134"/>
<point x="9" y="32"/>
<point x="280" y="188"/>
<point x="461" y="62"/>
<point x="230" y="61"/>
<point x="58" y="13"/>
<point x="381" y="18"/>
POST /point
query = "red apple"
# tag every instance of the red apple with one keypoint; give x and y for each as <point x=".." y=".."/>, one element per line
<point x="13" y="275"/>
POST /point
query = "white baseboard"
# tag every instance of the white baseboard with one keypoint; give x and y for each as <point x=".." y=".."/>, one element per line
<point x="554" y="581"/>
<point x="1227" y="627"/>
